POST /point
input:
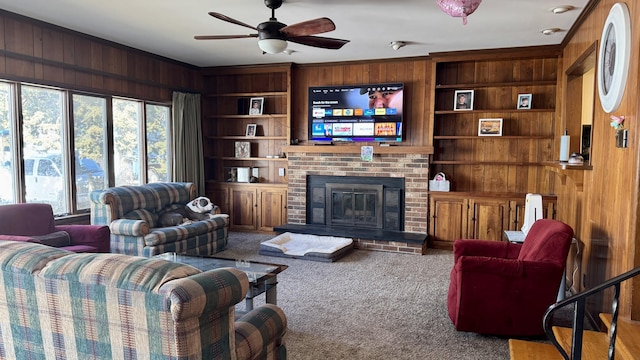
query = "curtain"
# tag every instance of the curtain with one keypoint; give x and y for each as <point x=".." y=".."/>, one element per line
<point x="188" y="156"/>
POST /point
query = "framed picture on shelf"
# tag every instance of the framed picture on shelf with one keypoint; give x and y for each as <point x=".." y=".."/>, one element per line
<point x="251" y="130"/>
<point x="255" y="106"/>
<point x="463" y="100"/>
<point x="524" y="101"/>
<point x="243" y="149"/>
<point x="490" y="127"/>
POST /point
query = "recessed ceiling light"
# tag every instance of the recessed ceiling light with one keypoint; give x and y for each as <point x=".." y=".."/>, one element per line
<point x="549" y="31"/>
<point x="561" y="9"/>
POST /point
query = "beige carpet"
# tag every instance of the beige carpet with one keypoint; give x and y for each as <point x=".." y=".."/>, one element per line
<point x="369" y="305"/>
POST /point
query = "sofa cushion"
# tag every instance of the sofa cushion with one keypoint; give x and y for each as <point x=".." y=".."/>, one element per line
<point x="171" y="234"/>
<point x="25" y="257"/>
<point x="143" y="214"/>
<point x="55" y="239"/>
<point x="122" y="271"/>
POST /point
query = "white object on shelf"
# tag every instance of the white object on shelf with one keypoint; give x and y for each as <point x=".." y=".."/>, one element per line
<point x="564" y="147"/>
<point x="439" y="183"/>
<point x="243" y="174"/>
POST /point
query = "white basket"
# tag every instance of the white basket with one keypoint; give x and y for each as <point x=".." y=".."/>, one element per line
<point x="439" y="183"/>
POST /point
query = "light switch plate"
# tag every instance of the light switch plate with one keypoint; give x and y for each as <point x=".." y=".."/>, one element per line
<point x="281" y="171"/>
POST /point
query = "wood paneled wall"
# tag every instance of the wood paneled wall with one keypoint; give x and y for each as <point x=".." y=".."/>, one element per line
<point x="42" y="53"/>
<point x="605" y="214"/>
<point x="413" y="72"/>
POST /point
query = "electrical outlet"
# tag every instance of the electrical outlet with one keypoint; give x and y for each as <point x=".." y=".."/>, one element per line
<point x="281" y="171"/>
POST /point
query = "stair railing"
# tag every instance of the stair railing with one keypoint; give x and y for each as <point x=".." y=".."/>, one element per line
<point x="579" y="301"/>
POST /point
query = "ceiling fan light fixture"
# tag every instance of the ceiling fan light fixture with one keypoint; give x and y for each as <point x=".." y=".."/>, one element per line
<point x="272" y="46"/>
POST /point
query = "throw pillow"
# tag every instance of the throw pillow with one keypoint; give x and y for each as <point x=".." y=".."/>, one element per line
<point x="55" y="239"/>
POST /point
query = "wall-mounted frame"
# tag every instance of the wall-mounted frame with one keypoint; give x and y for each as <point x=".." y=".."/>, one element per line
<point x="490" y="127"/>
<point x="463" y="100"/>
<point x="251" y="130"/>
<point x="255" y="106"/>
<point x="524" y="101"/>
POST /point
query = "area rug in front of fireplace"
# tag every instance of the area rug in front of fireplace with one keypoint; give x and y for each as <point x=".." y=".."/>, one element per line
<point x="307" y="247"/>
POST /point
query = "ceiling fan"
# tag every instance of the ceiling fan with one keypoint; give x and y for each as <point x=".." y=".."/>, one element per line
<point x="273" y="35"/>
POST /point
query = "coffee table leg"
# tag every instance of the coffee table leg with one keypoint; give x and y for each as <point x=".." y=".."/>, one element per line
<point x="272" y="292"/>
<point x="248" y="301"/>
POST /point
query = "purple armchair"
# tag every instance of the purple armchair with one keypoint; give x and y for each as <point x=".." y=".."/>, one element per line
<point x="500" y="288"/>
<point x="35" y="223"/>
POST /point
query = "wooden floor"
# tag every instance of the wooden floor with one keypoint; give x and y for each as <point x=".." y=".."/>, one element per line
<point x="595" y="344"/>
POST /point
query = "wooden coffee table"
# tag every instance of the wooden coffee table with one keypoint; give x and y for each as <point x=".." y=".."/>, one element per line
<point x="263" y="277"/>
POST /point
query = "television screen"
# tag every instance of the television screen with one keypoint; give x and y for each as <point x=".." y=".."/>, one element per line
<point x="370" y="112"/>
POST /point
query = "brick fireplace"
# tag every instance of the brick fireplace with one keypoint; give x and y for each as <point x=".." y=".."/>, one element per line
<point x="345" y="161"/>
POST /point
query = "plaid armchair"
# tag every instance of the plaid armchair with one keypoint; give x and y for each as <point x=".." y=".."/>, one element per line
<point x="64" y="305"/>
<point x="132" y="214"/>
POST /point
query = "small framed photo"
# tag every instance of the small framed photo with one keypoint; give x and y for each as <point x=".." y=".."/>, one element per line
<point x="524" y="101"/>
<point x="251" y="130"/>
<point x="490" y="127"/>
<point x="255" y="106"/>
<point x="463" y="100"/>
<point x="243" y="149"/>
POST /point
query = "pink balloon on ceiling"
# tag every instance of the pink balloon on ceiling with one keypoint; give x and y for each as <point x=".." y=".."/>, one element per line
<point x="459" y="8"/>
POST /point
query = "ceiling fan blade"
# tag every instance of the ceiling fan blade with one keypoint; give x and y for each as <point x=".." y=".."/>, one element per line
<point x="233" y="21"/>
<point x="309" y="27"/>
<point x="319" y="41"/>
<point x="223" y="37"/>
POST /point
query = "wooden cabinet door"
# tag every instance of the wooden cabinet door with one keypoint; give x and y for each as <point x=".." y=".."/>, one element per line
<point x="220" y="196"/>
<point x="243" y="208"/>
<point x="448" y="220"/>
<point x="488" y="219"/>
<point x="273" y="208"/>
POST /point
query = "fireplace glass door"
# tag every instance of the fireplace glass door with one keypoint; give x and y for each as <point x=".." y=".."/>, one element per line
<point x="355" y="205"/>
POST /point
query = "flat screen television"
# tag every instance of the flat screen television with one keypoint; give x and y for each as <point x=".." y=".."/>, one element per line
<point x="371" y="112"/>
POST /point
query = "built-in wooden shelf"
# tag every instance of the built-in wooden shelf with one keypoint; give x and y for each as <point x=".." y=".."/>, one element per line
<point x="478" y="162"/>
<point x="355" y="149"/>
<point x="496" y="84"/>
<point x="575" y="172"/>
<point x="476" y="137"/>
<point x="243" y="137"/>
<point x="232" y="158"/>
<point x="479" y="111"/>
<point x="234" y="116"/>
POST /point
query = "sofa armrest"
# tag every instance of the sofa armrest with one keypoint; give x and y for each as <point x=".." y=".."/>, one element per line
<point x="497" y="249"/>
<point x="129" y="227"/>
<point x="93" y="235"/>
<point x="260" y="329"/>
<point x="18" y="238"/>
<point x="208" y="291"/>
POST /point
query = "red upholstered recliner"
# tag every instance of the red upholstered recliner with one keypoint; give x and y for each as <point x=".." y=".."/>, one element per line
<point x="35" y="223"/>
<point x="500" y="288"/>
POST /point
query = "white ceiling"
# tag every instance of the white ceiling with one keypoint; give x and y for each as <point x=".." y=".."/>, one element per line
<point x="167" y="27"/>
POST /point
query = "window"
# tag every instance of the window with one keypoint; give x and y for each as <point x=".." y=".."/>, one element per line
<point x="90" y="146"/>
<point x="43" y="140"/>
<point x="69" y="135"/>
<point x="7" y="185"/>
<point x="158" y="143"/>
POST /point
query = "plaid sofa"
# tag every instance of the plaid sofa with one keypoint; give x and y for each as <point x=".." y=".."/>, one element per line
<point x="56" y="304"/>
<point x="132" y="214"/>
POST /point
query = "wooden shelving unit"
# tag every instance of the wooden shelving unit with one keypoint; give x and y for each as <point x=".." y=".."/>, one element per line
<point x="257" y="205"/>
<point x="490" y="175"/>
